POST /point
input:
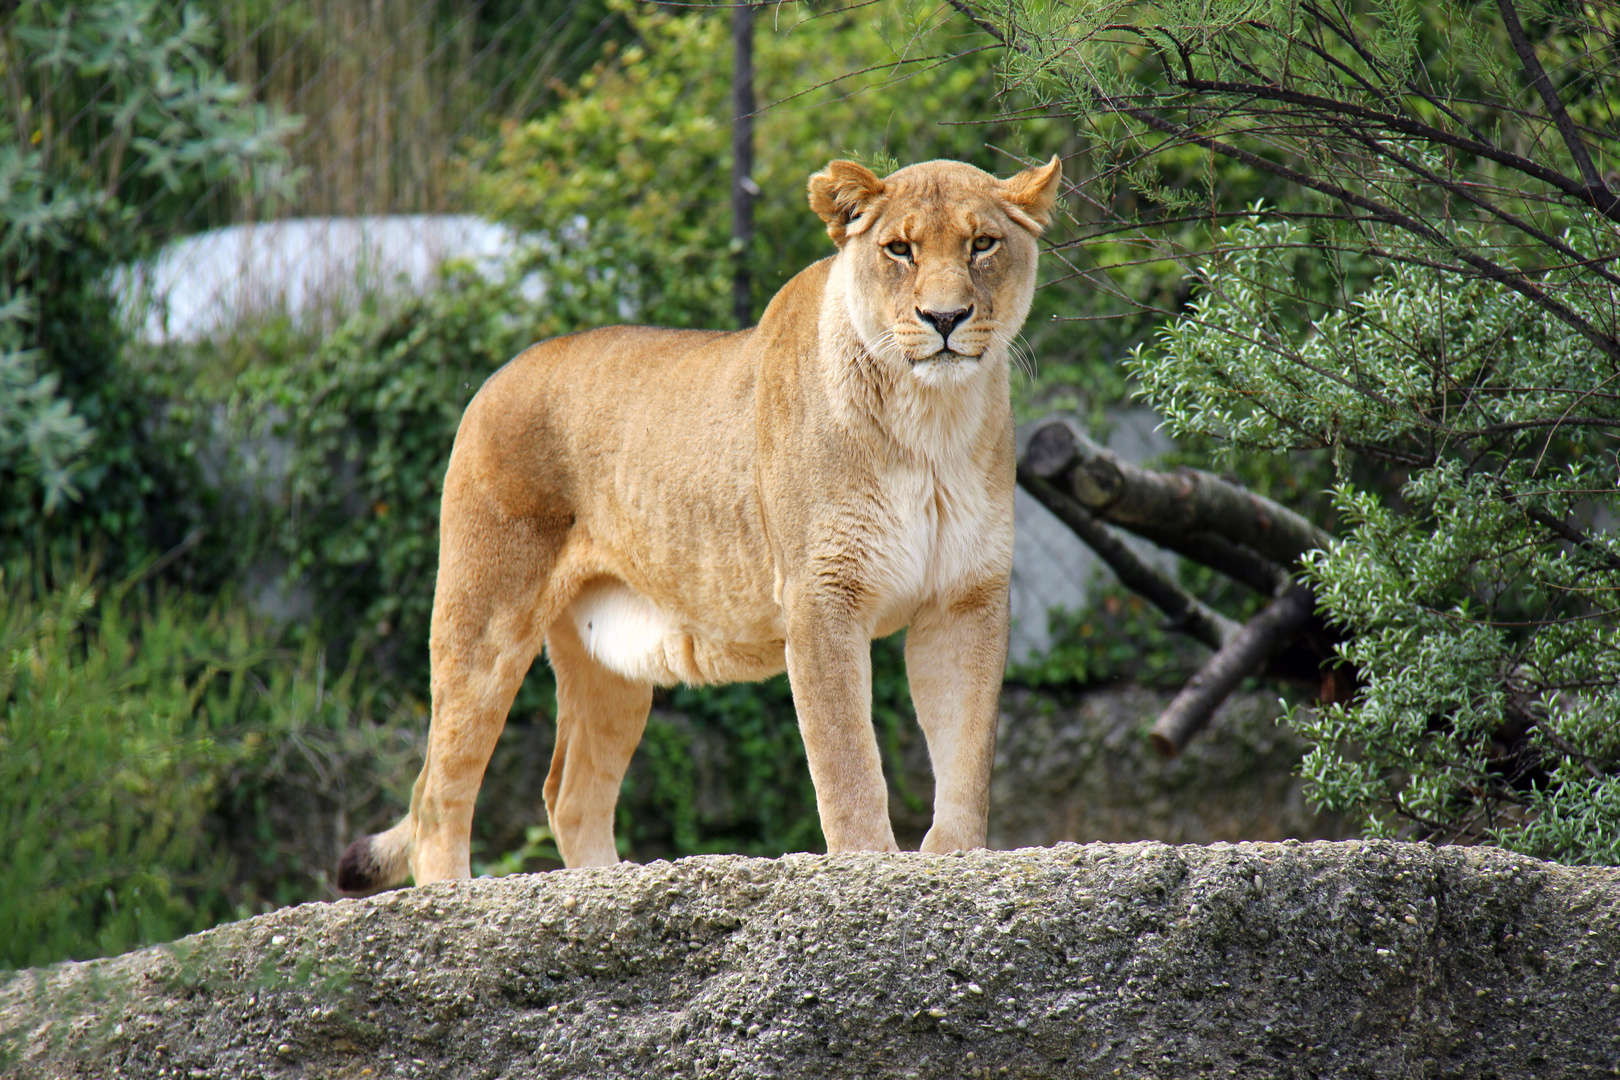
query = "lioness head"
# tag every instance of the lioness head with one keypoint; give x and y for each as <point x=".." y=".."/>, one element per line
<point x="938" y="259"/>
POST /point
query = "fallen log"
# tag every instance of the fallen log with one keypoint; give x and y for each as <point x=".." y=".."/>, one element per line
<point x="1184" y="611"/>
<point x="1202" y="517"/>
<point x="1183" y="503"/>
<point x="1261" y="638"/>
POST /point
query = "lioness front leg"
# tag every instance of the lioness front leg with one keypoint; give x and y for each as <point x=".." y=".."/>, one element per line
<point x="955" y="654"/>
<point x="829" y="662"/>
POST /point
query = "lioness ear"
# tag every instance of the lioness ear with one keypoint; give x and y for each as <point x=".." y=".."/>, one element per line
<point x="1030" y="196"/>
<point x="841" y="193"/>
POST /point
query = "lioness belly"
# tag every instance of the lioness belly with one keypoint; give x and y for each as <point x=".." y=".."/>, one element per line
<point x="627" y="633"/>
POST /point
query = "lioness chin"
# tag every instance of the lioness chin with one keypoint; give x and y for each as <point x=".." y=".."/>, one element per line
<point x="662" y="506"/>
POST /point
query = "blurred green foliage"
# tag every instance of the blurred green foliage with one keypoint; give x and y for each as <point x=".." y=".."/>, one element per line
<point x="117" y="122"/>
<point x="109" y="760"/>
<point x="145" y="742"/>
<point x="1119" y="637"/>
<point x="348" y="436"/>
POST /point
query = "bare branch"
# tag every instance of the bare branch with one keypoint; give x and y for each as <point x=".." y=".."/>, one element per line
<point x="1261" y="638"/>
<point x="1185" y="611"/>
<point x="1516" y="281"/>
<point x="1589" y="189"/>
<point x="967" y="11"/>
<point x="1597" y="192"/>
<point x="1462" y="192"/>
<point x="1569" y="533"/>
<point x="1335" y="109"/>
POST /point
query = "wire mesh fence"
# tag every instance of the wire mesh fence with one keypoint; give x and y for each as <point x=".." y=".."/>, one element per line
<point x="389" y="92"/>
<point x="372" y="110"/>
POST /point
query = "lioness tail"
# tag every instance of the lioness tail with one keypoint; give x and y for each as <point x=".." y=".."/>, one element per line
<point x="376" y="862"/>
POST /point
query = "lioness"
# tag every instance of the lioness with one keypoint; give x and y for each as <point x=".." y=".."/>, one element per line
<point x="662" y="506"/>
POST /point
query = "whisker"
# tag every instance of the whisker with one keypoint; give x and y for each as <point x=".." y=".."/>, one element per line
<point x="891" y="347"/>
<point x="1023" y="357"/>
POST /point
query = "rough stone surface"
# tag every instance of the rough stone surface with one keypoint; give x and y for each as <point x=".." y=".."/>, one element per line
<point x="1082" y="769"/>
<point x="1255" y="960"/>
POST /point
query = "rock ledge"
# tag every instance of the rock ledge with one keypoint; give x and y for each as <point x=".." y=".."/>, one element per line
<point x="1353" y="959"/>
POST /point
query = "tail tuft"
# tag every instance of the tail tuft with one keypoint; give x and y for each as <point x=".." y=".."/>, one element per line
<point x="358" y="872"/>
<point x="374" y="863"/>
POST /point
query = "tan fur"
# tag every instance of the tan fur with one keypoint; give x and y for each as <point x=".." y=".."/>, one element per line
<point x="661" y="506"/>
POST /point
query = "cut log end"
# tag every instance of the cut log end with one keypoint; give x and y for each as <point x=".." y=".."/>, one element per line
<point x="1163" y="745"/>
<point x="1052" y="449"/>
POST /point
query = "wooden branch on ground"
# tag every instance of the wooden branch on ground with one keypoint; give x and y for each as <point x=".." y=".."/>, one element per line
<point x="1204" y="518"/>
<point x="1260" y="639"/>
<point x="1220" y="554"/>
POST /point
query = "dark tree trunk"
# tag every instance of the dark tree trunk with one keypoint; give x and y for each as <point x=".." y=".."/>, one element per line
<point x="743" y="188"/>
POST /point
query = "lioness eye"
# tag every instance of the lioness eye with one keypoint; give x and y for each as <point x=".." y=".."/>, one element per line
<point x="898" y="248"/>
<point x="983" y="243"/>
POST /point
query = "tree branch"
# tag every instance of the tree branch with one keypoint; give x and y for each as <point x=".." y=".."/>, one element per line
<point x="1221" y="555"/>
<point x="1592" y="191"/>
<point x="1334" y="108"/>
<point x="1186" y="502"/>
<point x="1569" y="533"/>
<point x="1184" y="610"/>
<point x="1605" y="343"/>
<point x="1462" y="192"/>
<point x="1596" y="191"/>
<point x="966" y="11"/>
<point x="1344" y="33"/>
<point x="1261" y="638"/>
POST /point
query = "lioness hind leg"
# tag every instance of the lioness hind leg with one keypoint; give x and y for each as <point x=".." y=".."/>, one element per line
<point x="485" y="635"/>
<point x="600" y="718"/>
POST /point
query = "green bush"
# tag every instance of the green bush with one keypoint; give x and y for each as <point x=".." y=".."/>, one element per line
<point x="1118" y="637"/>
<point x="630" y="174"/>
<point x="117" y="125"/>
<point x="1483" y="636"/>
<point x="163" y="766"/>
<point x="1425" y="299"/>
<point x="118" y="710"/>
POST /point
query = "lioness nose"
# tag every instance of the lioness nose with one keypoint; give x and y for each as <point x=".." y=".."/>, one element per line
<point x="945" y="321"/>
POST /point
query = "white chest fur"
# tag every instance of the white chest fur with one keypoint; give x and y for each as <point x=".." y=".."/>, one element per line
<point x="948" y="534"/>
